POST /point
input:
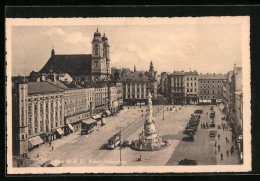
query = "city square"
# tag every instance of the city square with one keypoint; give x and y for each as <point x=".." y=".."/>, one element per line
<point x="98" y="100"/>
<point x="91" y="150"/>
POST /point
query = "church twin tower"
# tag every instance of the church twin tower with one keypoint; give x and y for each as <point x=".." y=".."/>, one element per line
<point x="100" y="69"/>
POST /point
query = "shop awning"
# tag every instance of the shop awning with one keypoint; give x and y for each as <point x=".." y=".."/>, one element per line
<point x="218" y="100"/>
<point x="55" y="163"/>
<point x="221" y="106"/>
<point x="70" y="127"/>
<point x="35" y="140"/>
<point x="59" y="131"/>
<point x="98" y="116"/>
<point x="108" y="112"/>
<point x="88" y="121"/>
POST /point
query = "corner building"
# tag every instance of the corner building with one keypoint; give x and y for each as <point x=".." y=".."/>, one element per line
<point x="210" y="87"/>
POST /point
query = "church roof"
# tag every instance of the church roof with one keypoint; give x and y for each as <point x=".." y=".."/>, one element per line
<point x="71" y="64"/>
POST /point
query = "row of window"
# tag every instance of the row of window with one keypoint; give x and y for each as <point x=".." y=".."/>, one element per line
<point x="209" y="86"/>
<point x="195" y="84"/>
<point x="138" y="96"/>
<point x="133" y="86"/>
<point x="207" y="91"/>
<point x="191" y="90"/>
<point x="211" y="81"/>
<point x="208" y="97"/>
<point x="191" y="78"/>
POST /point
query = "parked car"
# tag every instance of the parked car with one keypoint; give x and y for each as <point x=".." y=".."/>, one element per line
<point x="187" y="161"/>
<point x="198" y="111"/>
<point x="188" y="138"/>
<point x="212" y="133"/>
<point x="212" y="125"/>
<point x="189" y="132"/>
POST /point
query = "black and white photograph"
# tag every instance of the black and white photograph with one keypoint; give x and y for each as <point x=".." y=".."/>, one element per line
<point x="124" y="95"/>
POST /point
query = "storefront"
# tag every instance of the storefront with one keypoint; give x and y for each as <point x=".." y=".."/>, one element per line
<point x="34" y="142"/>
<point x="73" y="123"/>
<point x="205" y="101"/>
<point x="222" y="107"/>
<point x="59" y="133"/>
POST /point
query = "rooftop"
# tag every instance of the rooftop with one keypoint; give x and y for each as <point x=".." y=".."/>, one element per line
<point x="135" y="78"/>
<point x="71" y="64"/>
<point x="212" y="76"/>
<point x="43" y="87"/>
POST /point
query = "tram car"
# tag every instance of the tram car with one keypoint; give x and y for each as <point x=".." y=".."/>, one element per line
<point x="88" y="128"/>
<point x="114" y="141"/>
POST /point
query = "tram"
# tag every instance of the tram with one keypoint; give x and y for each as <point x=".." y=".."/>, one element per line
<point x="113" y="141"/>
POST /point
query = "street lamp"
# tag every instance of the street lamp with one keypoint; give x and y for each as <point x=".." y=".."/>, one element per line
<point x="120" y="144"/>
<point x="163" y="107"/>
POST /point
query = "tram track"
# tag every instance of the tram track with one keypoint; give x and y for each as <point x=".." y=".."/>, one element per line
<point x="125" y="133"/>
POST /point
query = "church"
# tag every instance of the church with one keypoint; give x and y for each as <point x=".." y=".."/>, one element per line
<point x="93" y="67"/>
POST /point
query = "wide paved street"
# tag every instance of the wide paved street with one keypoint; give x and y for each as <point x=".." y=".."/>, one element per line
<point x="90" y="150"/>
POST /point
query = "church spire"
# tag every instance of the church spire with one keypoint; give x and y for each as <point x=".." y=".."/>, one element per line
<point x="135" y="68"/>
<point x="52" y="51"/>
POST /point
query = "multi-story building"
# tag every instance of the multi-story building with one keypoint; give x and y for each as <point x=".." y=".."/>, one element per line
<point x="78" y="105"/>
<point x="43" y="111"/>
<point x="38" y="114"/>
<point x="19" y="117"/>
<point x="164" y="76"/>
<point x="119" y="89"/>
<point x="210" y="87"/>
<point x="136" y="88"/>
<point x="227" y="97"/>
<point x="112" y="97"/>
<point x="100" y="96"/>
<point x="191" y="87"/>
<point x="176" y="87"/>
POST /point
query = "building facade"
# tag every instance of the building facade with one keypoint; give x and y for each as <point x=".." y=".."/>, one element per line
<point x="210" y="87"/>
<point x="191" y="87"/>
<point x="78" y="105"/>
<point x="136" y="88"/>
<point x="176" y="87"/>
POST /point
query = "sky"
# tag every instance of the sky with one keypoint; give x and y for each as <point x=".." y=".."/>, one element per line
<point x="204" y="47"/>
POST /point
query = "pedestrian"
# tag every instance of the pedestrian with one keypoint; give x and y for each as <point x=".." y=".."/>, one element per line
<point x="226" y="139"/>
<point x="207" y="113"/>
<point x="142" y="115"/>
<point x="218" y="147"/>
<point x="215" y="143"/>
<point x="232" y="150"/>
<point x="223" y="127"/>
<point x="201" y="125"/>
<point x="227" y="128"/>
<point x="52" y="148"/>
<point x="218" y="136"/>
<point x="227" y="152"/>
<point x="207" y="125"/>
<point x="50" y="143"/>
<point x="221" y="156"/>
